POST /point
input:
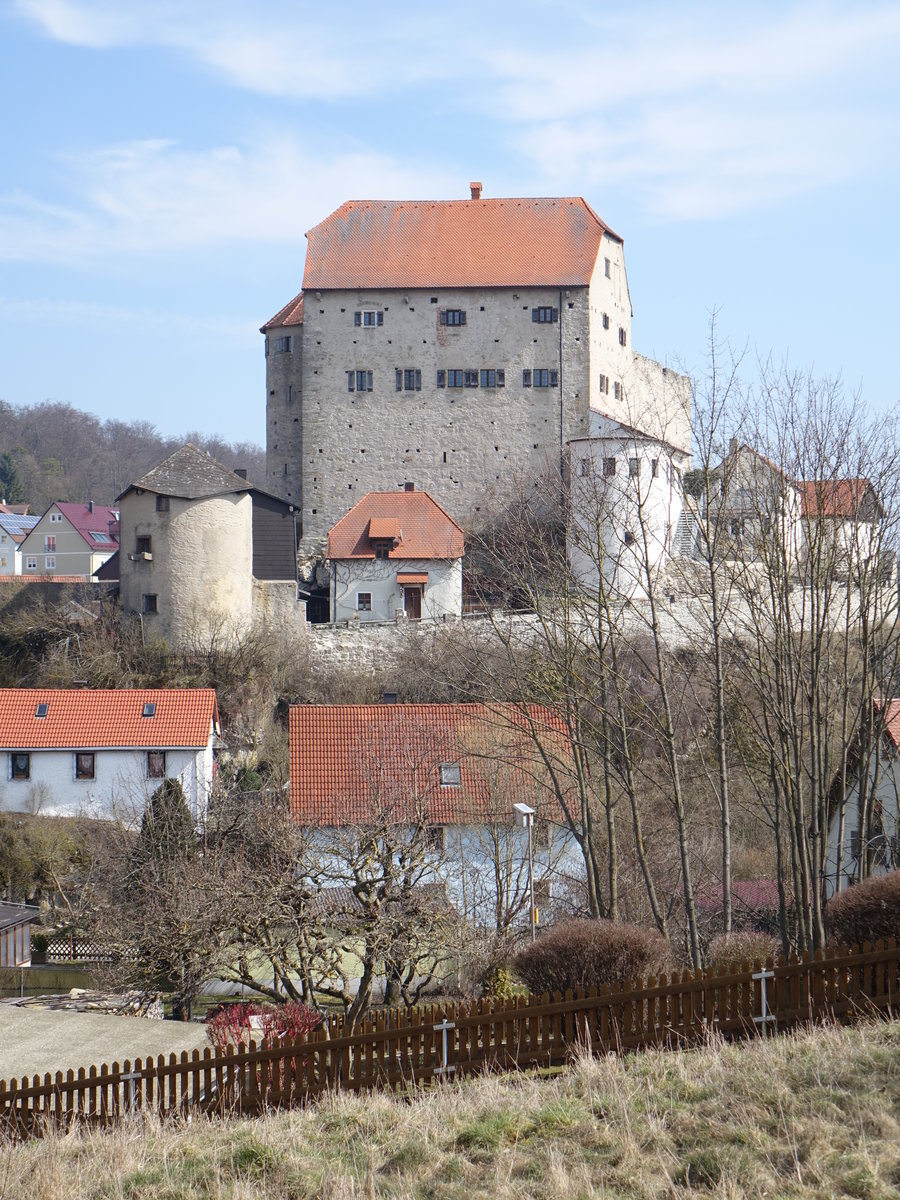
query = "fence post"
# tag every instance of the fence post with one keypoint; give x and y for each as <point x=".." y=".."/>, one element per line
<point x="443" y="1028"/>
<point x="765" y="1018"/>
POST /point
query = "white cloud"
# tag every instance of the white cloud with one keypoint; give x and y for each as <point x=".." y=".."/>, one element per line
<point x="154" y="196"/>
<point x="40" y="311"/>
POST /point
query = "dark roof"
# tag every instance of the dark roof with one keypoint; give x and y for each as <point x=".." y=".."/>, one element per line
<point x="108" y="572"/>
<point x="17" y="914"/>
<point x="189" y="474"/>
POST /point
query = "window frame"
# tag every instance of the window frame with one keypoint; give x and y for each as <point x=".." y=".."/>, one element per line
<point x="30" y="562"/>
<point x="450" y="774"/>
<point x="143" y="543"/>
<point x="471" y="377"/>
<point x="360" y="380"/>
<point x="153" y="772"/>
<point x="363" y="601"/>
<point x="162" y="504"/>
<point x="149" y="604"/>
<point x="455" y="377"/>
<point x="609" y="467"/>
<point x="82" y="766"/>
<point x="453" y="317"/>
<point x="18" y="776"/>
<point x="49" y="562"/>
<point x="284" y="344"/>
<point x="545" y="314"/>
<point x="634" y="468"/>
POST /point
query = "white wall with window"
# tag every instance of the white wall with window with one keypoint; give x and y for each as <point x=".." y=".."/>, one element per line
<point x="379" y="589"/>
<point x="100" y="782"/>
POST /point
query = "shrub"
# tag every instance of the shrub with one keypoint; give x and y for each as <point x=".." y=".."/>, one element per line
<point x="866" y="912"/>
<point x="239" y="1024"/>
<point x="731" y="951"/>
<point x="591" y="953"/>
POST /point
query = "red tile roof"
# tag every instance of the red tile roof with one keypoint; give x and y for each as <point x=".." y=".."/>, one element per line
<point x="102" y="520"/>
<point x="51" y="578"/>
<point x="455" y="243"/>
<point x="291" y="314"/>
<point x="351" y="762"/>
<point x="891" y="720"/>
<point x="426" y="530"/>
<point x="85" y="719"/>
<point x="842" y="498"/>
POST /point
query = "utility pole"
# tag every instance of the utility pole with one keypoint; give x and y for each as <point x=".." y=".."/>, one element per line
<point x="525" y="818"/>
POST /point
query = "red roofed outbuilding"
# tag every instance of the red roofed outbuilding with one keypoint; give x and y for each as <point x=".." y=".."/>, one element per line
<point x="104" y="752"/>
<point x="396" y="555"/>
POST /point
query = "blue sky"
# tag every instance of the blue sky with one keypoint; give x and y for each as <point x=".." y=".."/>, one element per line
<point x="160" y="164"/>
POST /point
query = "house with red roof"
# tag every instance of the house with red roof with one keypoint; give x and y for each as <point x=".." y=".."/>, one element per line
<point x="395" y="555"/>
<point x="71" y="540"/>
<point x="454" y="771"/>
<point x="102" y="753"/>
<point x="863" y="806"/>
<point x="840" y="520"/>
<point x="14" y="528"/>
<point x="456" y="343"/>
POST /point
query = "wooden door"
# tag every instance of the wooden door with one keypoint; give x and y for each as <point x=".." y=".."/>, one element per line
<point x="412" y="602"/>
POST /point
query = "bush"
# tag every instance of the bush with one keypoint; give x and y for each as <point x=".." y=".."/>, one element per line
<point x="866" y="912"/>
<point x="591" y="953"/>
<point x="729" y="952"/>
<point x="239" y="1024"/>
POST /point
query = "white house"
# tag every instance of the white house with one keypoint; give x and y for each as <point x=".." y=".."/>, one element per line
<point x="456" y="768"/>
<point x="104" y="753"/>
<point x="14" y="528"/>
<point x="840" y="522"/>
<point x="626" y="497"/>
<point x="395" y="554"/>
<point x="71" y="540"/>
<point x="880" y="836"/>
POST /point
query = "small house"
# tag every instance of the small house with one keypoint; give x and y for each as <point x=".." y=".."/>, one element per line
<point x="15" y="934"/>
<point x="71" y="540"/>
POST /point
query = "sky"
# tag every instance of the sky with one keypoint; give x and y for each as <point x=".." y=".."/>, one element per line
<point x="161" y="162"/>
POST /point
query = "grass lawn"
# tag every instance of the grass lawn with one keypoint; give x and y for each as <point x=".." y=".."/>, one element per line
<point x="813" y="1115"/>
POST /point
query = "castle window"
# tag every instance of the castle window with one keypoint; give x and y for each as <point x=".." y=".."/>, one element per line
<point x="654" y="467"/>
<point x="607" y="268"/>
<point x="442" y="379"/>
<point x="634" y="468"/>
<point x="142" y="545"/>
<point x="283" y="345"/>
<point x="623" y="337"/>
<point x="156" y="764"/>
<point x="368" y="318"/>
<point x="363" y="601"/>
<point x="605" y="320"/>
<point x="609" y="467"/>
<point x="629" y="538"/>
<point x="412" y="381"/>
<point x="453" y="316"/>
<point x="162" y="503"/>
<point x="545" y="315"/>
<point x="149" y="603"/>
<point x="84" y="766"/>
<point x="454" y="379"/>
<point x="471" y="379"/>
<point x="492" y="378"/>
<point x="359" y="381"/>
<point x="526" y="378"/>
<point x="545" y="378"/>
<point x="618" y="391"/>
<point x="604" y="384"/>
<point x="585" y="467"/>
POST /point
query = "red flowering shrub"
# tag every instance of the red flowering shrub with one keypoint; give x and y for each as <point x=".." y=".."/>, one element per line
<point x="240" y="1024"/>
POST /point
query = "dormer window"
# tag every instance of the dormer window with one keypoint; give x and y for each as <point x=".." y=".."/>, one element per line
<point x="383" y="548"/>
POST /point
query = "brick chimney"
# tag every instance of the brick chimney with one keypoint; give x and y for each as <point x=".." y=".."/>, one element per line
<point x="475" y="189"/>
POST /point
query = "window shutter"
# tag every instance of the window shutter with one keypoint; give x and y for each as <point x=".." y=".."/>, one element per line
<point x="418" y="381"/>
<point x="398" y="379"/>
<point x="462" y="317"/>
<point x="535" y="314"/>
<point x="501" y="379"/>
<point x="555" y="316"/>
<point x="349" y="381"/>
<point x="554" y="378"/>
<point x="379" y="318"/>
<point x="357" y="318"/>
<point x="444" y="318"/>
<point x="267" y="347"/>
<point x="526" y="375"/>
<point x="368" y="381"/>
<point x="441" y="378"/>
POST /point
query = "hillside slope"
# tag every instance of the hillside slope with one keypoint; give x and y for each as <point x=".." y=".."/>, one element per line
<point x="812" y="1115"/>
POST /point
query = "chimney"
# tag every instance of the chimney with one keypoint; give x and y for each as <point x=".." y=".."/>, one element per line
<point x="242" y="471"/>
<point x="90" y="506"/>
<point x="475" y="189"/>
<point x="409" y="487"/>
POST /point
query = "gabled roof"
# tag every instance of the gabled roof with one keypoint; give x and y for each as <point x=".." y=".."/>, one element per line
<point x="455" y="243"/>
<point x="12" y="915"/>
<point x="18" y="527"/>
<point x="291" y="314"/>
<point x="97" y="524"/>
<point x="352" y="763"/>
<point x="425" y="529"/>
<point x="88" y="719"/>
<point x="189" y="474"/>
<point x="843" y="499"/>
<point x="20" y="510"/>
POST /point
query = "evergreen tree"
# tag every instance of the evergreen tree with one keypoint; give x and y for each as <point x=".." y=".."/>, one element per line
<point x="11" y="490"/>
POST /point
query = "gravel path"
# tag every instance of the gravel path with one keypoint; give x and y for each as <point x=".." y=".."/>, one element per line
<point x="33" y="1041"/>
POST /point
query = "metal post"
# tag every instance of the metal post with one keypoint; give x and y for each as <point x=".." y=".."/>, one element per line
<point x="766" y="1018"/>
<point x="443" y="1028"/>
<point x="531" y="879"/>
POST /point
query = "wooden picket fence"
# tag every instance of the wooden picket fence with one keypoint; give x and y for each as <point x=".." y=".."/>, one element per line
<point x="396" y="1050"/>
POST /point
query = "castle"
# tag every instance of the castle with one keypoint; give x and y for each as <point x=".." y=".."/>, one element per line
<point x="459" y="345"/>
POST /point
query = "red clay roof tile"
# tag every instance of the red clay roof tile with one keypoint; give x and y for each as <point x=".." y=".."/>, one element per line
<point x="840" y="498"/>
<point x="350" y="763"/>
<point x="426" y="530"/>
<point x="291" y="314"/>
<point x="87" y="719"/>
<point x="527" y="242"/>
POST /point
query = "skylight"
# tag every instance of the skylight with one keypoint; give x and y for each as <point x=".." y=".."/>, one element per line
<point x="42" y="710"/>
<point x="450" y="776"/>
<point x="150" y="710"/>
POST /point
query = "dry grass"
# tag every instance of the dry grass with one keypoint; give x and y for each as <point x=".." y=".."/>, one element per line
<point x="813" y="1115"/>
